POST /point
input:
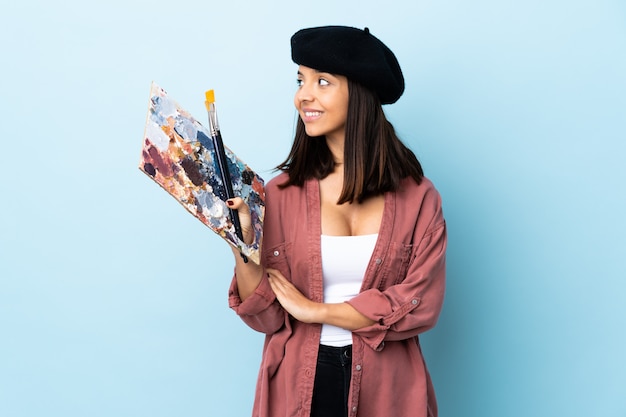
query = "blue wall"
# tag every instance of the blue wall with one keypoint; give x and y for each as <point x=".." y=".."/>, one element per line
<point x="517" y="110"/>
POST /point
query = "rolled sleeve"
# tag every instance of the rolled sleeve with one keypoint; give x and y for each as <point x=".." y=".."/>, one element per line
<point x="261" y="311"/>
<point x="411" y="307"/>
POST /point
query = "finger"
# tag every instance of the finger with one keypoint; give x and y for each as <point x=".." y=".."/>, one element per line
<point x="276" y="273"/>
<point x="278" y="289"/>
<point x="279" y="284"/>
<point x="237" y="203"/>
<point x="278" y="279"/>
<point x="271" y="272"/>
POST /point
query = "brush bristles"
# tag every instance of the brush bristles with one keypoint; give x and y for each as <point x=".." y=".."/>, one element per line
<point x="210" y="96"/>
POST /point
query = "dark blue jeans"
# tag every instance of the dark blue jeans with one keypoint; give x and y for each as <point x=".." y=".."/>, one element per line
<point x="332" y="382"/>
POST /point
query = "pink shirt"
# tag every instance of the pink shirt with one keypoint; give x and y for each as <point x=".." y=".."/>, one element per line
<point x="403" y="291"/>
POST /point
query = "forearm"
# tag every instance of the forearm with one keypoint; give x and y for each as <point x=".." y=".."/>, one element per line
<point x="342" y="315"/>
<point x="248" y="275"/>
<point x="338" y="314"/>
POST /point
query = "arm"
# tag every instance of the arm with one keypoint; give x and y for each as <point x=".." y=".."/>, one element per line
<point x="301" y="308"/>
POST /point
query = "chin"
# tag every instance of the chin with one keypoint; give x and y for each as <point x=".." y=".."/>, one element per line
<point x="313" y="133"/>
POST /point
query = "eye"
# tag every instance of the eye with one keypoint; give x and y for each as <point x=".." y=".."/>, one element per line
<point x="323" y="82"/>
<point x="299" y="82"/>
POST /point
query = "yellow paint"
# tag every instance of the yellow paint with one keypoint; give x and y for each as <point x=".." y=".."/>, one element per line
<point x="209" y="98"/>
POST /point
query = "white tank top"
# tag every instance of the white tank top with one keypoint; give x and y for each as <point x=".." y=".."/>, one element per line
<point x="344" y="261"/>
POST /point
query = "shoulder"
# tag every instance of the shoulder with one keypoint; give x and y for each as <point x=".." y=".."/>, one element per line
<point x="412" y="191"/>
<point x="275" y="191"/>
<point x="420" y="202"/>
<point x="274" y="185"/>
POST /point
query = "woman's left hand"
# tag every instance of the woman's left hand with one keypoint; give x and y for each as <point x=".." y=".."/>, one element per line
<point x="292" y="300"/>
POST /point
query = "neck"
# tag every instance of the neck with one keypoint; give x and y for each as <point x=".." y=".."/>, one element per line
<point x="335" y="144"/>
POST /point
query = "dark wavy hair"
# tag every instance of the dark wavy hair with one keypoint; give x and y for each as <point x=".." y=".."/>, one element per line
<point x="375" y="159"/>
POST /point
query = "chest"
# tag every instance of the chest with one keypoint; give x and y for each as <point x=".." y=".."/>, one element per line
<point x="348" y="219"/>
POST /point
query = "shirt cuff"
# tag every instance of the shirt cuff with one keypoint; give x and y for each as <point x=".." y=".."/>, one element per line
<point x="258" y="301"/>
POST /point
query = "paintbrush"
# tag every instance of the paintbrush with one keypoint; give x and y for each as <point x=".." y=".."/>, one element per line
<point x="218" y="144"/>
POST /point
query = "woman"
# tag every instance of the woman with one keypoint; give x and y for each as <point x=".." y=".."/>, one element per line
<point x="353" y="255"/>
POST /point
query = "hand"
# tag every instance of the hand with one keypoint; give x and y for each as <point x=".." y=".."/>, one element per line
<point x="292" y="300"/>
<point x="244" y="218"/>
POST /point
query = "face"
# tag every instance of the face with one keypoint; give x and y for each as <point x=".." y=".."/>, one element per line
<point x="322" y="101"/>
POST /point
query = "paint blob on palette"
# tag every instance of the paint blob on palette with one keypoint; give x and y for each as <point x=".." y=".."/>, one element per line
<point x="178" y="154"/>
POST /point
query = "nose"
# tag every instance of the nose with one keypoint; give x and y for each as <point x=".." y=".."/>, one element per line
<point x="304" y="93"/>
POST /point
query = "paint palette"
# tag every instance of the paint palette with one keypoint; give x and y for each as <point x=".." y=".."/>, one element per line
<point x="178" y="154"/>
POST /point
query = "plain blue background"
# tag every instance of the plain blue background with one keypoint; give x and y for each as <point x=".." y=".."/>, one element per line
<point x="113" y="300"/>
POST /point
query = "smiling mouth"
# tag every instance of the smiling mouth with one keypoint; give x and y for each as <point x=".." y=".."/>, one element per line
<point x="312" y="113"/>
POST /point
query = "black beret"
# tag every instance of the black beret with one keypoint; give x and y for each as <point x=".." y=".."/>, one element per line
<point x="352" y="52"/>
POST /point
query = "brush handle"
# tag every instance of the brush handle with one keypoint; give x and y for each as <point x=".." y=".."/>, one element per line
<point x="223" y="165"/>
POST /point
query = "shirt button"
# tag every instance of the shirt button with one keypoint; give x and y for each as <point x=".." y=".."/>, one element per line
<point x="378" y="261"/>
<point x="276" y="253"/>
<point x="358" y="367"/>
<point x="414" y="302"/>
<point x="354" y="409"/>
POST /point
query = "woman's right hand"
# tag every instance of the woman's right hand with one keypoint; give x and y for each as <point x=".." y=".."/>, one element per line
<point x="245" y="220"/>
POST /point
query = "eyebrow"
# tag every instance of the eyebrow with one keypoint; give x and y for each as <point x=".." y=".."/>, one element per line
<point x="319" y="72"/>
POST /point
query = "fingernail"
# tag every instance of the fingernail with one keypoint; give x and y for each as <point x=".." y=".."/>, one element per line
<point x="230" y="203"/>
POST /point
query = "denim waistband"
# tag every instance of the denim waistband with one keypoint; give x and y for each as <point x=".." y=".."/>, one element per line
<point x="340" y="355"/>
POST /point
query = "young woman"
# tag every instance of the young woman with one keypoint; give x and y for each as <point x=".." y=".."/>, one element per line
<point x="353" y="254"/>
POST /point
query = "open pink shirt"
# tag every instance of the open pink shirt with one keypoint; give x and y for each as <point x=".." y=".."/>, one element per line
<point x="403" y="291"/>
